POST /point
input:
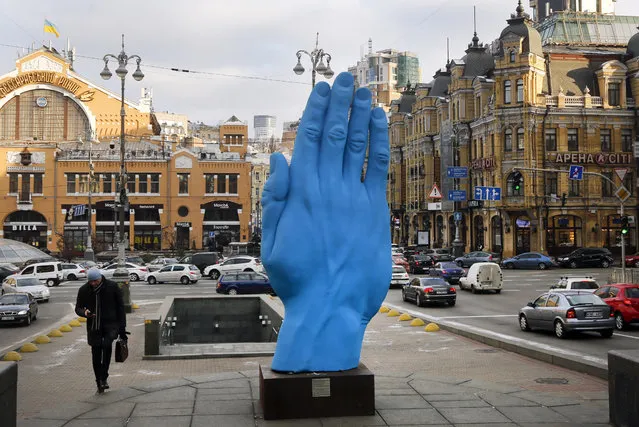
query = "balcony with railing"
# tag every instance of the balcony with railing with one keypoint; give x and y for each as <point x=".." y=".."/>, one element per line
<point x="576" y="101"/>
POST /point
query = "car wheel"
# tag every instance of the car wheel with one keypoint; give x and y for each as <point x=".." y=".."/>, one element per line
<point x="619" y="322"/>
<point x="460" y="264"/>
<point x="134" y="277"/>
<point x="452" y="303"/>
<point x="35" y="316"/>
<point x="185" y="280"/>
<point x="248" y="270"/>
<point x="542" y="266"/>
<point x="572" y="264"/>
<point x="27" y="321"/>
<point x="498" y="291"/>
<point x="637" y="264"/>
<point x="214" y="274"/>
<point x="50" y="282"/>
<point x="404" y="296"/>
<point x="2" y="292"/>
<point x="560" y="331"/>
<point x="473" y="289"/>
<point x="605" y="263"/>
<point x="523" y="323"/>
<point x="72" y="277"/>
<point x="510" y="266"/>
<point x="418" y="300"/>
<point x="607" y="333"/>
<point x="152" y="280"/>
<point x="232" y="291"/>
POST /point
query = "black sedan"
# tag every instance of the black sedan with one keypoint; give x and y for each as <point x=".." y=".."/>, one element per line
<point x="18" y="308"/>
<point x="429" y="289"/>
<point x="419" y="263"/>
<point x="448" y="271"/>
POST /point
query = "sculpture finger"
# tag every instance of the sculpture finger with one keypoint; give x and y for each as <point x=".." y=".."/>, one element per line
<point x="357" y="140"/>
<point x="378" y="156"/>
<point x="274" y="198"/>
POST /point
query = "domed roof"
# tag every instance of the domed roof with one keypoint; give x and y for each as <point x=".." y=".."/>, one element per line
<point x="521" y="25"/>
<point x="633" y="46"/>
<point x="478" y="60"/>
<point x="14" y="252"/>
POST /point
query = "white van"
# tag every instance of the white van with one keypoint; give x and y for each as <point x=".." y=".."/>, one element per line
<point x="483" y="276"/>
<point x="49" y="273"/>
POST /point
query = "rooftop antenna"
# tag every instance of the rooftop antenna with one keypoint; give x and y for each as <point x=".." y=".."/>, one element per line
<point x="447" y="51"/>
<point x="370" y="45"/>
<point x="475" y="19"/>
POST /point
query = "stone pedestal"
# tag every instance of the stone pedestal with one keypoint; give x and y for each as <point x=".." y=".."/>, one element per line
<point x="623" y="387"/>
<point x="317" y="394"/>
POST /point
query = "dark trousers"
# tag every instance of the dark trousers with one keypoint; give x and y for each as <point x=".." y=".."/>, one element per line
<point x="102" y="359"/>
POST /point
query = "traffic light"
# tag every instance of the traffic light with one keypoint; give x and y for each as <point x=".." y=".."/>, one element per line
<point x="518" y="182"/>
<point x="564" y="199"/>
<point x="624" y="225"/>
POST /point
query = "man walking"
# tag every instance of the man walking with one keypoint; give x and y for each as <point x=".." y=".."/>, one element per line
<point x="100" y="301"/>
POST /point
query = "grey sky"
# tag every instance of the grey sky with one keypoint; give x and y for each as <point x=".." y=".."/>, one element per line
<point x="250" y="38"/>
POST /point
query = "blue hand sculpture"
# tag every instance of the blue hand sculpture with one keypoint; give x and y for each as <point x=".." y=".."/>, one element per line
<point x="326" y="236"/>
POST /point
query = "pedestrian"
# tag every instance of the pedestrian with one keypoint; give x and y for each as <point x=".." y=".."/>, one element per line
<point x="100" y="301"/>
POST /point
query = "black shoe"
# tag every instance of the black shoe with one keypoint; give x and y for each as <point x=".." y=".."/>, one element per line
<point x="105" y="384"/>
<point x="100" y="387"/>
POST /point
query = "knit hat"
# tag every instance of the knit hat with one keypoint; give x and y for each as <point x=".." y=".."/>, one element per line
<point x="93" y="274"/>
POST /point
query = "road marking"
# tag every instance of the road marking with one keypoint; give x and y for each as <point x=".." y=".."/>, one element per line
<point x="626" y="336"/>
<point x="511" y="290"/>
<point x="487" y="316"/>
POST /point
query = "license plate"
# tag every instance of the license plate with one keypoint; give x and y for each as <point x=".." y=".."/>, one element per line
<point x="8" y="318"/>
<point x="593" y="315"/>
<point x="441" y="292"/>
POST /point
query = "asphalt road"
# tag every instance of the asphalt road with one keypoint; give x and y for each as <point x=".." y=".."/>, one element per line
<point x="498" y="313"/>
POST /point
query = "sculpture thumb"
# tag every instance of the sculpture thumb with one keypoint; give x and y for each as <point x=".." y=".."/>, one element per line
<point x="273" y="201"/>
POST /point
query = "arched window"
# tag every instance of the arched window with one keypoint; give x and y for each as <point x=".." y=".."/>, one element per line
<point x="508" y="140"/>
<point x="513" y="55"/>
<point x="520" y="139"/>
<point x="515" y="184"/>
<point x="520" y="90"/>
<point x="507" y="92"/>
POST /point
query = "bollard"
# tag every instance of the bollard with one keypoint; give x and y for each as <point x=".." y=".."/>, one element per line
<point x="121" y="277"/>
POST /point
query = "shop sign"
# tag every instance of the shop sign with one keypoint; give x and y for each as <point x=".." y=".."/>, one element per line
<point x="485" y="163"/>
<point x="596" y="158"/>
<point x="147" y="206"/>
<point x="26" y="227"/>
<point x="183" y="224"/>
<point x="75" y="227"/>
<point x="38" y="77"/>
<point x="225" y="227"/>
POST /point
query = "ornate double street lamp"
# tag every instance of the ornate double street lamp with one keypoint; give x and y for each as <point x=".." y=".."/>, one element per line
<point x="317" y="61"/>
<point x="121" y="274"/>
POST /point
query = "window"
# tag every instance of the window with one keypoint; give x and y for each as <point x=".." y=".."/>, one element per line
<point x="107" y="185"/>
<point x="13" y="183"/>
<point x="551" y="139"/>
<point x="573" y="140"/>
<point x="209" y="182"/>
<point x="520" y="90"/>
<point x="552" y="180"/>
<point x="507" y="94"/>
<point x="604" y="137"/>
<point x="233" y="184"/>
<point x="37" y="183"/>
<point x="183" y="183"/>
<point x="83" y="183"/>
<point x="541" y="301"/>
<point x="45" y="269"/>
<point x="221" y="184"/>
<point x="70" y="183"/>
<point x="606" y="187"/>
<point x="553" y="301"/>
<point x="513" y="55"/>
<point x="130" y="183"/>
<point x="573" y="188"/>
<point x="614" y="94"/>
<point x="508" y="140"/>
<point x="626" y="140"/>
<point x="155" y="183"/>
<point x="143" y="184"/>
<point x="520" y="139"/>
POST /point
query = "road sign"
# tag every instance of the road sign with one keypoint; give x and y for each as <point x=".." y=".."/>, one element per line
<point x="437" y="206"/>
<point x="621" y="173"/>
<point x="435" y="193"/>
<point x="487" y="193"/>
<point x="457" y="172"/>
<point x="457" y="216"/>
<point x="475" y="204"/>
<point x="576" y="172"/>
<point x="622" y="193"/>
<point x="457" y="195"/>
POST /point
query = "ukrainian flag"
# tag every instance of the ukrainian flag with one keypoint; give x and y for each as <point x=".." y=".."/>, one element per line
<point x="50" y="28"/>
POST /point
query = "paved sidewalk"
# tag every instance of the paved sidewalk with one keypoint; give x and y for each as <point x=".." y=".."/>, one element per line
<point x="421" y="379"/>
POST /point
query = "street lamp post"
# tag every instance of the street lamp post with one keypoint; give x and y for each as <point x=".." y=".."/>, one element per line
<point x="122" y="60"/>
<point x="317" y="61"/>
<point x="88" y="252"/>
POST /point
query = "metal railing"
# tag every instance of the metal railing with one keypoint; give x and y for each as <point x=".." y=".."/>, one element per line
<point x="631" y="275"/>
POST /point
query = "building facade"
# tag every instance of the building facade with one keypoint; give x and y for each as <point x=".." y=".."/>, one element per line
<point x="54" y="124"/>
<point x="264" y="127"/>
<point x="516" y="117"/>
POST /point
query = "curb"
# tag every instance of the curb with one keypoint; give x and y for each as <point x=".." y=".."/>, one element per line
<point x="564" y="358"/>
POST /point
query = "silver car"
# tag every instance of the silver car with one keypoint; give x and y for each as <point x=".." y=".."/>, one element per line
<point x="568" y="311"/>
<point x="182" y="273"/>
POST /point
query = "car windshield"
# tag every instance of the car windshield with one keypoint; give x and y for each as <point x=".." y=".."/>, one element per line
<point x="583" y="299"/>
<point x="632" y="292"/>
<point x="398" y="269"/>
<point x="14" y="299"/>
<point x="585" y="284"/>
<point x="433" y="282"/>
<point x="448" y="265"/>
<point x="28" y="281"/>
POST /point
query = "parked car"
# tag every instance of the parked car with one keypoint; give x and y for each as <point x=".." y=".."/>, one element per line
<point x="183" y="273"/>
<point x="136" y="272"/>
<point x="37" y="260"/>
<point x="399" y="277"/>
<point x="49" y="273"/>
<point x="632" y="260"/>
<point x="429" y="289"/>
<point x="234" y="265"/>
<point x="201" y="260"/>
<point x="73" y="272"/>
<point x="477" y="256"/>
<point x="133" y="259"/>
<point x="448" y="271"/>
<point x="160" y="262"/>
<point x="400" y="260"/>
<point x="439" y="255"/>
<point x="586" y="284"/>
<point x="244" y="283"/>
<point x="7" y="270"/>
<point x="419" y="263"/>
<point x="587" y="257"/>
<point x="623" y="299"/>
<point x="529" y="260"/>
<point x="569" y="311"/>
<point x="30" y="285"/>
<point x="483" y="276"/>
<point x="18" y="308"/>
<point x="86" y="264"/>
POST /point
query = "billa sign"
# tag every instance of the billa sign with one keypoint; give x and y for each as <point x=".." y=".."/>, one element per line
<point x="596" y="158"/>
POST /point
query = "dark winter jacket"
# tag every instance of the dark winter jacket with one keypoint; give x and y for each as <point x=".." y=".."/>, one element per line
<point x="107" y="321"/>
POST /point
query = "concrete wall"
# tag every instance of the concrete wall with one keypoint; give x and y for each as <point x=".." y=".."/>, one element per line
<point x="8" y="393"/>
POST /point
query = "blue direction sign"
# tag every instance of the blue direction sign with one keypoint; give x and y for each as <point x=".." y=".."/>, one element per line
<point x="576" y="172"/>
<point x="487" y="193"/>
<point x="457" y="216"/>
<point x="457" y="195"/>
<point x="457" y="172"/>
